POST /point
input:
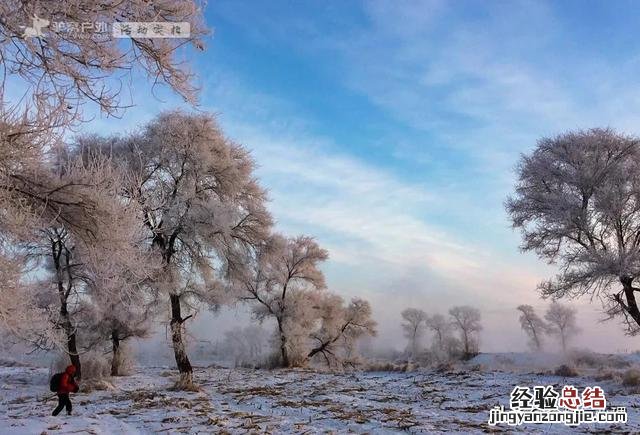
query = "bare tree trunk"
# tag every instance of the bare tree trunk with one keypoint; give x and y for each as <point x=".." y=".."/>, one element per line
<point x="414" y="346"/>
<point x="466" y="345"/>
<point x="440" y="341"/>
<point x="63" y="294"/>
<point x="179" y="350"/>
<point x="116" y="359"/>
<point x="283" y="345"/>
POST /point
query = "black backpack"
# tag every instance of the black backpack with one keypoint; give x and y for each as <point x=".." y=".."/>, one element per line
<point x="54" y="383"/>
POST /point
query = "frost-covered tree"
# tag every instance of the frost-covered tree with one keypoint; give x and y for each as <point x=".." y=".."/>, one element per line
<point x="77" y="249"/>
<point x="532" y="325"/>
<point x="577" y="204"/>
<point x="20" y="316"/>
<point x="441" y="329"/>
<point x="62" y="68"/>
<point x="66" y="280"/>
<point x="114" y="318"/>
<point x="46" y="81"/>
<point x="467" y="321"/>
<point x="414" y="324"/>
<point x="299" y="319"/>
<point x="282" y="284"/>
<point x="340" y="329"/>
<point x="201" y="205"/>
<point x="561" y="321"/>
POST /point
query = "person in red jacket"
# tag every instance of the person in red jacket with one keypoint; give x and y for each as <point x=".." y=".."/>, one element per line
<point x="67" y="385"/>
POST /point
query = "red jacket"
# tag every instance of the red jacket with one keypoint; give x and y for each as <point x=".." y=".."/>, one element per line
<point x="67" y="382"/>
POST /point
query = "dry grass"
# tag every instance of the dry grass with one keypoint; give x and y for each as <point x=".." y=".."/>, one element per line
<point x="385" y="366"/>
<point x="185" y="383"/>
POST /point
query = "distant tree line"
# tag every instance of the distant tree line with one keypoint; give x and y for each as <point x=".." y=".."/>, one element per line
<point x="455" y="337"/>
<point x="559" y="321"/>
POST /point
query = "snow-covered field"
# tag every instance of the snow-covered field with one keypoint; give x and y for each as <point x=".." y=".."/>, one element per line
<point x="294" y="401"/>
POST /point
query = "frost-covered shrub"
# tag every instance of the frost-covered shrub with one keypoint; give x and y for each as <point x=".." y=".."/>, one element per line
<point x="96" y="369"/>
<point x="587" y="358"/>
<point x="95" y="366"/>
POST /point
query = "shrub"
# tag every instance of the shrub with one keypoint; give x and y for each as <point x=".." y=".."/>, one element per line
<point x="631" y="377"/>
<point x="587" y="358"/>
<point x="477" y="368"/>
<point x="566" y="371"/>
<point x="445" y="367"/>
<point x="384" y="366"/>
<point x="606" y="375"/>
<point x="618" y="362"/>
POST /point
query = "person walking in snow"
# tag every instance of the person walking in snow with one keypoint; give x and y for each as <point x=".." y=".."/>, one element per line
<point x="63" y="384"/>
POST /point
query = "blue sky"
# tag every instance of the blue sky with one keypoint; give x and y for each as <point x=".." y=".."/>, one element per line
<point x="390" y="129"/>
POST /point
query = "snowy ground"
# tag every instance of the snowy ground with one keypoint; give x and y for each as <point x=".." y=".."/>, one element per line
<point x="254" y="401"/>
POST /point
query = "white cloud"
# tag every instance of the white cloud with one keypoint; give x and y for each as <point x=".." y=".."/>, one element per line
<point x="382" y="244"/>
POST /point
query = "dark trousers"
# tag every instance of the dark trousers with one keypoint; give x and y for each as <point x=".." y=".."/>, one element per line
<point x="63" y="401"/>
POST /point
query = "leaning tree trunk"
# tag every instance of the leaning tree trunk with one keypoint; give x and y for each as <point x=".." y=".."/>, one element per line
<point x="631" y="307"/>
<point x="179" y="350"/>
<point x="536" y="339"/>
<point x="116" y="358"/>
